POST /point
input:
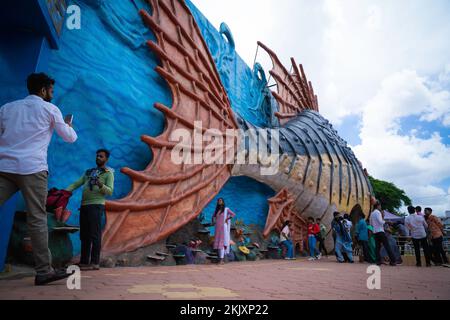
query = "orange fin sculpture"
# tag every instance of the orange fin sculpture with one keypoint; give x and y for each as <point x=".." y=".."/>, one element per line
<point x="294" y="92"/>
<point x="166" y="196"/>
<point x="281" y="209"/>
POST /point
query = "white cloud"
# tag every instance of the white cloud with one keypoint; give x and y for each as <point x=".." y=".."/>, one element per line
<point x="414" y="164"/>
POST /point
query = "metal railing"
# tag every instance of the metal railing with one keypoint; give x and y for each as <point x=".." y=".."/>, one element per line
<point x="409" y="247"/>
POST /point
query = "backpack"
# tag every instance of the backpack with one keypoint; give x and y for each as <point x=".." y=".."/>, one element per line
<point x="57" y="198"/>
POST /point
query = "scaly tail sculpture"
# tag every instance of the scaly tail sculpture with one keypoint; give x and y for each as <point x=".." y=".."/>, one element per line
<point x="318" y="173"/>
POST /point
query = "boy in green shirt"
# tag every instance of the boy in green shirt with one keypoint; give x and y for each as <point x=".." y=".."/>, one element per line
<point x="321" y="236"/>
<point x="97" y="184"/>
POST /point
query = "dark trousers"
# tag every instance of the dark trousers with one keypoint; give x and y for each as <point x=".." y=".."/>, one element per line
<point x="365" y="247"/>
<point x="321" y="242"/>
<point x="438" y="251"/>
<point x="426" y="250"/>
<point x="91" y="233"/>
<point x="380" y="239"/>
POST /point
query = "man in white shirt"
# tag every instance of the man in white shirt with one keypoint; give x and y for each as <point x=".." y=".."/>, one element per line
<point x="377" y="222"/>
<point x="285" y="240"/>
<point x="417" y="227"/>
<point x="26" y="128"/>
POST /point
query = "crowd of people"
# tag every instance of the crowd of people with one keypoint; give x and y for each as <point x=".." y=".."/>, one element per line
<point x="374" y="237"/>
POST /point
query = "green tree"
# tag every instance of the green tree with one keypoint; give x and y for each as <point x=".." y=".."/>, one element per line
<point x="390" y="196"/>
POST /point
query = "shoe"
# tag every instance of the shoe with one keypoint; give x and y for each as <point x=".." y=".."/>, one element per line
<point x="95" y="267"/>
<point x="418" y="265"/>
<point x="41" y="280"/>
<point x="319" y="256"/>
<point x="428" y="265"/>
<point x="85" y="267"/>
<point x="392" y="264"/>
<point x="351" y="261"/>
<point x="311" y="259"/>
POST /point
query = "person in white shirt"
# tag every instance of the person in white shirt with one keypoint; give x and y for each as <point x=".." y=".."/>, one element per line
<point x="26" y="128"/>
<point x="377" y="222"/>
<point x="417" y="227"/>
<point x="285" y="240"/>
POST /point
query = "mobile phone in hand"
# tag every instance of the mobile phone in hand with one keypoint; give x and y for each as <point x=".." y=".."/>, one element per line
<point x="68" y="118"/>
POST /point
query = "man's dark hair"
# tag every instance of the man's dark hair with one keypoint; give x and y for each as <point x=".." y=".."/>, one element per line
<point x="411" y="210"/>
<point x="429" y="210"/>
<point x="37" y="81"/>
<point x="107" y="153"/>
<point x="311" y="219"/>
<point x="318" y="219"/>
<point x="287" y="222"/>
<point x="418" y="209"/>
<point x="335" y="214"/>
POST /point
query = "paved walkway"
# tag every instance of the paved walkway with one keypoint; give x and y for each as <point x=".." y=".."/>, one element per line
<point x="262" y="280"/>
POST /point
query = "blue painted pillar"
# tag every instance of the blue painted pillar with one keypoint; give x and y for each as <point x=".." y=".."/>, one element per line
<point x="6" y="222"/>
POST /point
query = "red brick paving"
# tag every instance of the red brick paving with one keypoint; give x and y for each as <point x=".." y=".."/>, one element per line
<point x="262" y="280"/>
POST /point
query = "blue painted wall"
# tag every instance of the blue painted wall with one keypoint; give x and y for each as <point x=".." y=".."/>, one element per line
<point x="245" y="197"/>
<point x="25" y="47"/>
<point x="105" y="77"/>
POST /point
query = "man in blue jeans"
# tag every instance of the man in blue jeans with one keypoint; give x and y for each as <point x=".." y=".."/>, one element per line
<point x="313" y="231"/>
<point x="343" y="239"/>
<point x="286" y="241"/>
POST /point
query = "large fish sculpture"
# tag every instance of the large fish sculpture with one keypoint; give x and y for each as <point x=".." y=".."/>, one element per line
<point x="318" y="174"/>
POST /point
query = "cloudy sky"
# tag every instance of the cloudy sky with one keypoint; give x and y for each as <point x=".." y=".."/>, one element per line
<point x="381" y="69"/>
